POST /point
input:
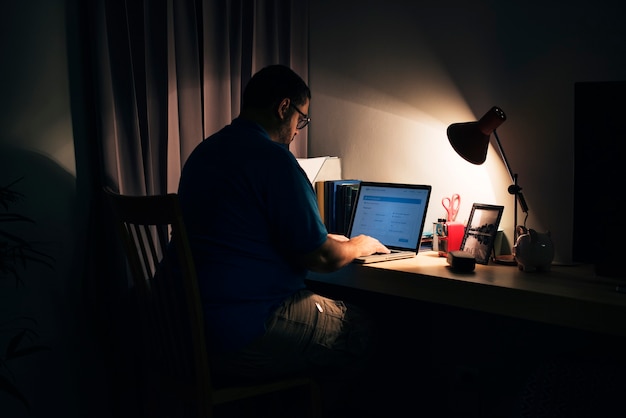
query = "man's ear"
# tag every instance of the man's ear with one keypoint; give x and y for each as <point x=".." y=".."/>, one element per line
<point x="283" y="108"/>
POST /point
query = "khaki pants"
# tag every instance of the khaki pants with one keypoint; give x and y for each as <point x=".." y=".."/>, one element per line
<point x="307" y="332"/>
<point x="307" y="335"/>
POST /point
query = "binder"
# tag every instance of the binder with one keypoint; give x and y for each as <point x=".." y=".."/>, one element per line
<point x="335" y="199"/>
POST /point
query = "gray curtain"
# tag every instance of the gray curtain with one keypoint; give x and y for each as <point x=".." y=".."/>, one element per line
<point x="171" y="72"/>
<point x="149" y="80"/>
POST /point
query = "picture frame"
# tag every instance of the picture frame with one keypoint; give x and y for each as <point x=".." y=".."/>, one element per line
<point x="481" y="230"/>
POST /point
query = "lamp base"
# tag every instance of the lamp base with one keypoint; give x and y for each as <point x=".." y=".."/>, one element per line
<point x="506" y="259"/>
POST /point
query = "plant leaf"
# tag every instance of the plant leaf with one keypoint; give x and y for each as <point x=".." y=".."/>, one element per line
<point x="28" y="351"/>
<point x="7" y="386"/>
<point x="13" y="347"/>
<point x="12" y="217"/>
<point x="13" y="238"/>
<point x="14" y="343"/>
<point x="9" y="196"/>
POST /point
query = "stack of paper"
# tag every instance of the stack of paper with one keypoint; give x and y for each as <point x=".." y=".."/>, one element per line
<point x="321" y="168"/>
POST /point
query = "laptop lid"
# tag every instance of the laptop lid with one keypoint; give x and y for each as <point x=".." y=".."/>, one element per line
<point x="394" y="214"/>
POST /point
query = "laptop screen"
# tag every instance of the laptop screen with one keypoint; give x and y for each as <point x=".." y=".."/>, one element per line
<point x="392" y="213"/>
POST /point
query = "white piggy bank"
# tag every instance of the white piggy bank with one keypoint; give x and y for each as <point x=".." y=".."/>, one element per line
<point x="533" y="250"/>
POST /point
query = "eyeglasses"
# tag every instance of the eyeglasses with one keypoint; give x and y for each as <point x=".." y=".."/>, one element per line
<point x="304" y="121"/>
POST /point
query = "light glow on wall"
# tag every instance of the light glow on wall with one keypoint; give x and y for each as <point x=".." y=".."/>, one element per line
<point x="381" y="138"/>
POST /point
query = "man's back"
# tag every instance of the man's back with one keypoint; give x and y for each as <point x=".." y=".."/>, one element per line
<point x="238" y="192"/>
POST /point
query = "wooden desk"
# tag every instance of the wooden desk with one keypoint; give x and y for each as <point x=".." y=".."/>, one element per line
<point x="570" y="296"/>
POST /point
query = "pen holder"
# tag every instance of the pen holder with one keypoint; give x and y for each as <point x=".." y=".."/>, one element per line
<point x="440" y="236"/>
<point x="456" y="231"/>
<point x="447" y="236"/>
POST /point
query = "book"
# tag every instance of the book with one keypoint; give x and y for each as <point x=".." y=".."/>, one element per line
<point x="345" y="196"/>
<point x="321" y="199"/>
<point x="335" y="199"/>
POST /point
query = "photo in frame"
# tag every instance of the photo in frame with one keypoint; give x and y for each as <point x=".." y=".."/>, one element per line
<point x="481" y="230"/>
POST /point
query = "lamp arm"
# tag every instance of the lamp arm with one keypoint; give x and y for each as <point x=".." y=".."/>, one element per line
<point x="517" y="190"/>
<point x="514" y="189"/>
<point x="506" y="162"/>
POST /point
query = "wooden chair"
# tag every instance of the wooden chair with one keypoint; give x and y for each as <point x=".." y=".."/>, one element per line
<point x="175" y="372"/>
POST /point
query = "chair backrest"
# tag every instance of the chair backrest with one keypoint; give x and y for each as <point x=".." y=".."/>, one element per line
<point x="169" y="313"/>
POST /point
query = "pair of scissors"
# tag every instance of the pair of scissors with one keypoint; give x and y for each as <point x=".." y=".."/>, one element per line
<point x="451" y="205"/>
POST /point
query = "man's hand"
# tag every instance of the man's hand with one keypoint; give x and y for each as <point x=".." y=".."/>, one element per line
<point x="368" y="245"/>
<point x="338" y="250"/>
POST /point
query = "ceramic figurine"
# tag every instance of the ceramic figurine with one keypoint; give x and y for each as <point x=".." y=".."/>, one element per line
<point x="533" y="250"/>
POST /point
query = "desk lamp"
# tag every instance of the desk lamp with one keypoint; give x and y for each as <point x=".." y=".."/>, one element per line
<point x="471" y="140"/>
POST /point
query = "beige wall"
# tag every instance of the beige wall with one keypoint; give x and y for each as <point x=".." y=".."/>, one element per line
<point x="388" y="78"/>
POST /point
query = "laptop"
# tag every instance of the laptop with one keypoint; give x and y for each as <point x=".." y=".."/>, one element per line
<point x="394" y="214"/>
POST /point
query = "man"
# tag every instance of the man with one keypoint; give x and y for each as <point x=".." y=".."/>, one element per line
<point x="255" y="231"/>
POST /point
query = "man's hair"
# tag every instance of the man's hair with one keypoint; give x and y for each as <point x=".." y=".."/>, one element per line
<point x="272" y="84"/>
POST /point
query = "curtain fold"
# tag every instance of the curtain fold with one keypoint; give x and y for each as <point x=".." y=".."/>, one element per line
<point x="151" y="80"/>
<point x="172" y="72"/>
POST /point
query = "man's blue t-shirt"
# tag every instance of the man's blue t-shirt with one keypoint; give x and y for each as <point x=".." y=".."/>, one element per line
<point x="250" y="211"/>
